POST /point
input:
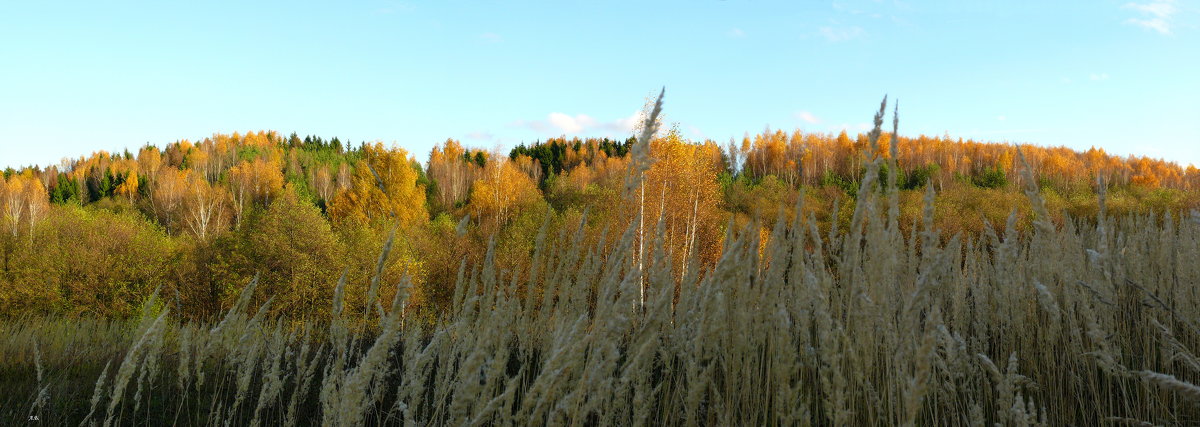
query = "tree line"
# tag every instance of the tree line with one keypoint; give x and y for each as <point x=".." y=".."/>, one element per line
<point x="197" y="220"/>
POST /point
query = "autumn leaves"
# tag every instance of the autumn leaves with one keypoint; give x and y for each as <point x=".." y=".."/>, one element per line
<point x="23" y="202"/>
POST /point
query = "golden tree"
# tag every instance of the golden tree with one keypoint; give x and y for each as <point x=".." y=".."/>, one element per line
<point x="167" y="196"/>
<point x="682" y="189"/>
<point x="23" y="200"/>
<point x="12" y="202"/>
<point x="501" y="189"/>
<point x="253" y="180"/>
<point x="149" y="159"/>
<point x="37" y="202"/>
<point x="452" y="173"/>
<point x="205" y="205"/>
<point x="383" y="187"/>
<point x="322" y="182"/>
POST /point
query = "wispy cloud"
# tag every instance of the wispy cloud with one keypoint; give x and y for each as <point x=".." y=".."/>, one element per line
<point x="1098" y="77"/>
<point x="807" y="117"/>
<point x="841" y="33"/>
<point x="736" y="33"/>
<point x="491" y="37"/>
<point x="1153" y="15"/>
<point x="624" y="124"/>
<point x="481" y="136"/>
<point x="557" y="122"/>
<point x="1160" y="9"/>
<point x="1001" y="117"/>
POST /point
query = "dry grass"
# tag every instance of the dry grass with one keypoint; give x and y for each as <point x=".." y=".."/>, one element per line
<point x="1090" y="323"/>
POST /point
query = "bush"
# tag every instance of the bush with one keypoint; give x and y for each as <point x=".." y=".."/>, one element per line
<point x="87" y="260"/>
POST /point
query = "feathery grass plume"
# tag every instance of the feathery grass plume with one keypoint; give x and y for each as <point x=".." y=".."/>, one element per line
<point x="183" y="373"/>
<point x="272" y="378"/>
<point x="247" y="360"/>
<point x="1106" y="357"/>
<point x="1010" y="405"/>
<point x="461" y="228"/>
<point x="916" y="387"/>
<point x="373" y="292"/>
<point x="305" y="370"/>
<point x="865" y="196"/>
<point x="42" y="393"/>
<point x="894" y="170"/>
<point x="128" y="366"/>
<point x="338" y="331"/>
<point x="537" y="261"/>
<point x="1188" y="391"/>
<point x="1173" y="349"/>
<point x="235" y="312"/>
<point x="1101" y="193"/>
<point x="1050" y="306"/>
<point x="640" y="152"/>
<point x="97" y="394"/>
<point x="864" y="209"/>
<point x="877" y="130"/>
<point x="149" y="367"/>
<point x="1041" y="219"/>
<point x="378" y="180"/>
<point x="355" y="392"/>
<point x="894" y="144"/>
<point x="147" y="309"/>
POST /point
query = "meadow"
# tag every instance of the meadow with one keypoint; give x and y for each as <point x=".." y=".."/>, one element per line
<point x="1088" y="321"/>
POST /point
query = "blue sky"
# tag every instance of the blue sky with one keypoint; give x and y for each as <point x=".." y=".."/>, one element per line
<point x="77" y="77"/>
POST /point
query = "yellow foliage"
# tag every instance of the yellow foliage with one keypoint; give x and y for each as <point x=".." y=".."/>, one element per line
<point x="681" y="187"/>
<point x="501" y="190"/>
<point x="384" y="188"/>
<point x="23" y="201"/>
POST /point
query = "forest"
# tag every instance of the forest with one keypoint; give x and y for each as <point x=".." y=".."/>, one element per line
<point x="197" y="220"/>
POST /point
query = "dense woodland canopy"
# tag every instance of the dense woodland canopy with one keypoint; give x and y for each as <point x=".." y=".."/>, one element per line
<point x="98" y="234"/>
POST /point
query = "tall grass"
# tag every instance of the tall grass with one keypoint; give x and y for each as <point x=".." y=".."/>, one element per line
<point x="1088" y="323"/>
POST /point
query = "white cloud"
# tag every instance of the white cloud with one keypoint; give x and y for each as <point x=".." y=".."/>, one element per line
<point x="736" y="33"/>
<point x="1160" y="9"/>
<point x="1001" y="117"/>
<point x="491" y="37"/>
<point x="1154" y="15"/>
<point x="625" y="124"/>
<point x="808" y="117"/>
<point x="479" y="135"/>
<point x="563" y="123"/>
<point x="534" y="125"/>
<point x="840" y="34"/>
<point x="569" y="124"/>
<point x="1098" y="77"/>
<point x="1156" y="24"/>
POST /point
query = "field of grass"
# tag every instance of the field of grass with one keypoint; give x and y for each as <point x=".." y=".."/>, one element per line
<point x="1084" y="323"/>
